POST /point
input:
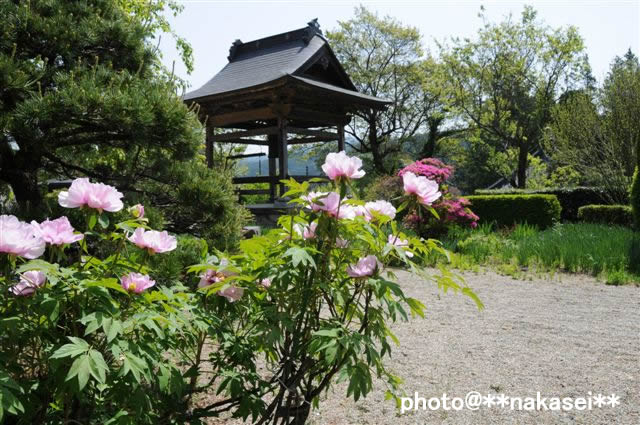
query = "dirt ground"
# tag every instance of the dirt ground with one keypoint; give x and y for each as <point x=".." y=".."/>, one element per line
<point x="566" y="336"/>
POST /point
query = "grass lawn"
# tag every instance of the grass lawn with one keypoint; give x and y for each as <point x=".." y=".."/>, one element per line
<point x="610" y="252"/>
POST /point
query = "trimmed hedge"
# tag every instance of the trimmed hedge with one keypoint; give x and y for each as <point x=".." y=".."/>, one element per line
<point x="634" y="197"/>
<point x="607" y="214"/>
<point x="507" y="210"/>
<point x="571" y="199"/>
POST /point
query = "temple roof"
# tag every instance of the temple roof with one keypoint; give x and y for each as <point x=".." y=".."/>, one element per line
<point x="299" y="56"/>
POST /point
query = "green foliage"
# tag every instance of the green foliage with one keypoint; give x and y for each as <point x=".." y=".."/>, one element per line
<point x="595" y="132"/>
<point x="84" y="349"/>
<point x="200" y="201"/>
<point x="634" y="197"/>
<point x="86" y="96"/>
<point x="517" y="67"/>
<point x="171" y="268"/>
<point x="385" y="187"/>
<point x="152" y="14"/>
<point x="507" y="210"/>
<point x="570" y="198"/>
<point x="620" y="215"/>
<point x="384" y="58"/>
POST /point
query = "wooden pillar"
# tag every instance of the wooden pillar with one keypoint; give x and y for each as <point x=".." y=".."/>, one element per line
<point x="340" y="137"/>
<point x="283" y="158"/>
<point x="273" y="154"/>
<point x="209" y="144"/>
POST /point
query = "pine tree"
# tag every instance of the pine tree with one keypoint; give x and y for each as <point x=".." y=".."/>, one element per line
<point x="83" y="93"/>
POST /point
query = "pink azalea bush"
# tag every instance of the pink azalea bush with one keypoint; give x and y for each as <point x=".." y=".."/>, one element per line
<point x="431" y="168"/>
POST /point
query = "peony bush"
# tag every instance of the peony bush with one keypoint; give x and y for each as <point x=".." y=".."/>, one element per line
<point x="96" y="339"/>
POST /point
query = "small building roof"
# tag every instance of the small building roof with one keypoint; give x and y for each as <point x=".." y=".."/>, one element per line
<point x="302" y="56"/>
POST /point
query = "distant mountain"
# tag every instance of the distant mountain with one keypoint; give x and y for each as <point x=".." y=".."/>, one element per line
<point x="259" y="166"/>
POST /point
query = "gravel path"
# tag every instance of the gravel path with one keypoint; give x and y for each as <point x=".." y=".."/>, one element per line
<point x="563" y="337"/>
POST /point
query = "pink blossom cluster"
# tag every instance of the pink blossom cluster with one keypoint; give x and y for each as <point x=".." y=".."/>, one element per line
<point x="431" y="168"/>
<point x="457" y="211"/>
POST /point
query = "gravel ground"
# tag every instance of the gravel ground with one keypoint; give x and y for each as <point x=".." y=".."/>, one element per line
<point x="562" y="337"/>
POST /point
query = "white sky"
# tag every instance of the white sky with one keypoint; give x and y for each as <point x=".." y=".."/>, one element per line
<point x="609" y="28"/>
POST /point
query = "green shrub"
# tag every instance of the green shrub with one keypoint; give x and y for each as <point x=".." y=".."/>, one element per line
<point x="384" y="187"/>
<point x="171" y="268"/>
<point x="634" y="197"/>
<point x="570" y="198"/>
<point x="507" y="210"/>
<point x="607" y="214"/>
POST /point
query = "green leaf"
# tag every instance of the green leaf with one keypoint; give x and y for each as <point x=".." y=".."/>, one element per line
<point x="111" y="283"/>
<point x="77" y="347"/>
<point x="92" y="221"/>
<point x="299" y="255"/>
<point x="112" y="328"/>
<point x="133" y="364"/>
<point x="99" y="367"/>
<point x="81" y="368"/>
<point x="416" y="306"/>
<point x="103" y="220"/>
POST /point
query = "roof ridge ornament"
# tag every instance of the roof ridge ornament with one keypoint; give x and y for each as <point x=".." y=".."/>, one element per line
<point x="313" y="28"/>
<point x="234" y="49"/>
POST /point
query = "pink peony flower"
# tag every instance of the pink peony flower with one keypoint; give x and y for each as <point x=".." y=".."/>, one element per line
<point x="20" y="238"/>
<point x="366" y="266"/>
<point x="313" y="200"/>
<point x="98" y="196"/>
<point x="210" y="277"/>
<point x="232" y="293"/>
<point x="136" y="282"/>
<point x="153" y="241"/>
<point x="57" y="232"/>
<point x="307" y="232"/>
<point x="403" y="243"/>
<point x="29" y="282"/>
<point x="424" y="189"/>
<point x="265" y="283"/>
<point x="137" y="211"/>
<point x="380" y="207"/>
<point x="339" y="165"/>
<point x="330" y="204"/>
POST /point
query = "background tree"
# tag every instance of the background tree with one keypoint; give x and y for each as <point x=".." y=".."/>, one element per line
<point x="596" y="132"/>
<point x="504" y="83"/>
<point x="82" y="93"/>
<point x="385" y="59"/>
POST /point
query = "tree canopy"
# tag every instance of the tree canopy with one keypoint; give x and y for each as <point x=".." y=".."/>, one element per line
<point x="82" y="92"/>
<point x="385" y="59"/>
<point x="504" y="83"/>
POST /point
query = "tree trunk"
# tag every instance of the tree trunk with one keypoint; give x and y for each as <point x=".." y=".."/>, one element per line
<point x="25" y="188"/>
<point x="378" y="163"/>
<point x="429" y="148"/>
<point x="523" y="164"/>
